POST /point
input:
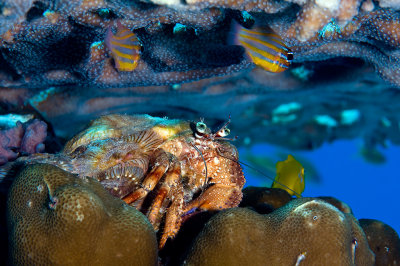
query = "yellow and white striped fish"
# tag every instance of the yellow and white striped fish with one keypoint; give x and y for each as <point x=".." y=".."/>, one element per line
<point x="124" y="47"/>
<point x="264" y="47"/>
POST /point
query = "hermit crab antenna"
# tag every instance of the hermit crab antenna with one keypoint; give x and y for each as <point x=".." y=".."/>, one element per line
<point x="260" y="172"/>
<point x="263" y="174"/>
<point x="230" y="139"/>
<point x="222" y="131"/>
<point x="226" y="124"/>
<point x="204" y="160"/>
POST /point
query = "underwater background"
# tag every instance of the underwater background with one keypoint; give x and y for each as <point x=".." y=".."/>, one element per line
<point x="339" y="169"/>
<point x="307" y="91"/>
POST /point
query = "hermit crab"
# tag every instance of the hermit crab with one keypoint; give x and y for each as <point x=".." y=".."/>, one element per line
<point x="165" y="168"/>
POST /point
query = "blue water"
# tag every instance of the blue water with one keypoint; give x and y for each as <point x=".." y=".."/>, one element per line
<point x="369" y="189"/>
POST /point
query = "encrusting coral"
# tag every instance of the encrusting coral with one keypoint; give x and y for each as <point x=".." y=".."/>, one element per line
<point x="306" y="231"/>
<point x="63" y="42"/>
<point x="55" y="218"/>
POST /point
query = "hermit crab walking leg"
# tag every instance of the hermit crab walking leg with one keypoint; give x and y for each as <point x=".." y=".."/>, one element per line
<point x="171" y="181"/>
<point x="152" y="179"/>
<point x="172" y="190"/>
<point x="173" y="217"/>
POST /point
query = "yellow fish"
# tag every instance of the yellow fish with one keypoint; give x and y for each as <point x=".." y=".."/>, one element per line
<point x="263" y="47"/>
<point x="124" y="47"/>
<point x="290" y="176"/>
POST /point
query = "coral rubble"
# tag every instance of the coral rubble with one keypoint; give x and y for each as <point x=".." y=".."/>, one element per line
<point x="56" y="218"/>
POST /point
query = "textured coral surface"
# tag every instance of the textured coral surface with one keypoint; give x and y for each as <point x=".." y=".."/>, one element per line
<point x="383" y="241"/>
<point x="264" y="199"/>
<point x="305" y="231"/>
<point x="54" y="218"/>
<point x="65" y="219"/>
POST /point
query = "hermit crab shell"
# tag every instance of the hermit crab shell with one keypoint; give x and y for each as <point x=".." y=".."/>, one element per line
<point x="117" y="126"/>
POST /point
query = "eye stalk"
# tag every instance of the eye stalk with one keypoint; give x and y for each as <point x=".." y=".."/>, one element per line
<point x="223" y="132"/>
<point x="201" y="127"/>
<point x="203" y="132"/>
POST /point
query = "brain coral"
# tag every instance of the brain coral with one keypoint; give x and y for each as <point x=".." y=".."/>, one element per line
<point x="263" y="199"/>
<point x="56" y="218"/>
<point x="383" y="240"/>
<point x="303" y="232"/>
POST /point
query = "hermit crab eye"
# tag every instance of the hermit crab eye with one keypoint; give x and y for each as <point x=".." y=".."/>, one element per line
<point x="225" y="132"/>
<point x="201" y="127"/>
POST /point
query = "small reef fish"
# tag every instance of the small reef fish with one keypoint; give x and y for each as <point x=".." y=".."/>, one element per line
<point x="266" y="163"/>
<point x="124" y="46"/>
<point x="289" y="176"/>
<point x="263" y="47"/>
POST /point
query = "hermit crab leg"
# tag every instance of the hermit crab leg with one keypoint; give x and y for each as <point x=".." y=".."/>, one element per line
<point x="173" y="217"/>
<point x="216" y="197"/>
<point x="171" y="186"/>
<point x="151" y="180"/>
<point x="171" y="180"/>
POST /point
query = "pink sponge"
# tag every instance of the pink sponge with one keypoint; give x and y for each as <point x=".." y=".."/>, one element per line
<point x="10" y="141"/>
<point x="27" y="138"/>
<point x="35" y="134"/>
